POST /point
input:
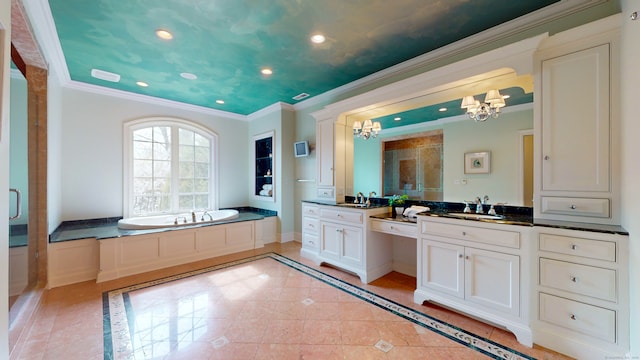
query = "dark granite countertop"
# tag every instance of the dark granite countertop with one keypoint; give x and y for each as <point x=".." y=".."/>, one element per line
<point x="509" y="215"/>
<point x="107" y="228"/>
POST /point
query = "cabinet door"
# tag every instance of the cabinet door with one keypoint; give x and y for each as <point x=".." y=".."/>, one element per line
<point x="330" y="240"/>
<point x="442" y="267"/>
<point x="575" y="121"/>
<point x="492" y="279"/>
<point x="324" y="152"/>
<point x="352" y="245"/>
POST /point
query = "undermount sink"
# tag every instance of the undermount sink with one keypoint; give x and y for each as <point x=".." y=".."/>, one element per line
<point x="476" y="216"/>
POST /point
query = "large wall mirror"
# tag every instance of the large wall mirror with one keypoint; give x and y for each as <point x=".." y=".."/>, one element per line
<point x="425" y="140"/>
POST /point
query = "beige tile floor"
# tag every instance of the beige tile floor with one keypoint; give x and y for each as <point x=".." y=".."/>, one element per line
<point x="232" y="314"/>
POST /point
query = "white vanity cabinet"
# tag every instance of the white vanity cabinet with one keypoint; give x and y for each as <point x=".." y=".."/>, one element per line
<point x="310" y="229"/>
<point x="577" y="126"/>
<point x="342" y="237"/>
<point x="477" y="268"/>
<point x="582" y="293"/>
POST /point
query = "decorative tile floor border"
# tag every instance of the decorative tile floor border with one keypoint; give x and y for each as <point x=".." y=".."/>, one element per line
<point x="117" y="313"/>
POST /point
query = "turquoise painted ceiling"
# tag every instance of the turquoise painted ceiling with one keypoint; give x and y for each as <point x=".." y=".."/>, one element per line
<point x="226" y="43"/>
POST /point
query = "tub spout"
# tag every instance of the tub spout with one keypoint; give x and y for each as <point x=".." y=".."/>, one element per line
<point x="207" y="214"/>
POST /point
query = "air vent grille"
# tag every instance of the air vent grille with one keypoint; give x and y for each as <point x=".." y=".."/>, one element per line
<point x="301" y="96"/>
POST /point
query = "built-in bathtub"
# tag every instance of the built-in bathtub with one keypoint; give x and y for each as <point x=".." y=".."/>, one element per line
<point x="174" y="220"/>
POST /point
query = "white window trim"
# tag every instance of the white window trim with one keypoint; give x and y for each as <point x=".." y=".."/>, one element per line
<point x="127" y="171"/>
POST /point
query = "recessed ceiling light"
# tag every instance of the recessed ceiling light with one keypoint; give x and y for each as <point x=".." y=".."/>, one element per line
<point x="397" y="118"/>
<point x="188" y="76"/>
<point x="105" y="75"/>
<point x="443" y="109"/>
<point x="506" y="96"/>
<point x="266" y="71"/>
<point x="164" y="34"/>
<point x="220" y="102"/>
<point x="317" y="38"/>
<point x="142" y="83"/>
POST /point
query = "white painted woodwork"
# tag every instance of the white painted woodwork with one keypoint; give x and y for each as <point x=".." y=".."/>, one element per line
<point x="72" y="262"/>
<point x="477" y="268"/>
<point x="575" y="121"/>
<point x="394" y="228"/>
<point x="576" y="124"/>
<point x="18" y="269"/>
<point x="582" y="293"/>
<point x="344" y="239"/>
<point x="136" y="254"/>
<point x="324" y="153"/>
<point x="492" y="279"/>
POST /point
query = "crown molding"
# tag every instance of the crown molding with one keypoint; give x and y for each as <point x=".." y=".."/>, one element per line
<point x="276" y="107"/>
<point x="76" y="85"/>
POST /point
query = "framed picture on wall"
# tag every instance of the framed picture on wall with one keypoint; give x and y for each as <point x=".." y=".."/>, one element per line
<point x="477" y="162"/>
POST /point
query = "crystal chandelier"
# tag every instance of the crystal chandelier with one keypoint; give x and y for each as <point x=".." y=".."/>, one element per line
<point x="366" y="130"/>
<point x="477" y="111"/>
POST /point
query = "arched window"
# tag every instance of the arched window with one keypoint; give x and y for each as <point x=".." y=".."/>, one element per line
<point x="169" y="167"/>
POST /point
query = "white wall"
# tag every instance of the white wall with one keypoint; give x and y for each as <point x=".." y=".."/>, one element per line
<point x="630" y="70"/>
<point x="282" y="122"/>
<point x="91" y="152"/>
<point x="5" y="51"/>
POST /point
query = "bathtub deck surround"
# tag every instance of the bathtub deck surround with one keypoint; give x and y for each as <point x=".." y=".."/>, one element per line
<point x="99" y="250"/>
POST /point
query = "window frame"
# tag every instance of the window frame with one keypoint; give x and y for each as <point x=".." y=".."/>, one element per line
<point x="175" y="123"/>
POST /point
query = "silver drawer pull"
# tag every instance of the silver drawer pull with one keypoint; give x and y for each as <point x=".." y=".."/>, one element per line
<point x="574" y="279"/>
<point x="572" y="317"/>
<point x="546" y="157"/>
<point x="460" y="256"/>
<point x="574" y="247"/>
<point x="339" y="230"/>
<point x="391" y="227"/>
<point x="464" y="233"/>
<point x="572" y="207"/>
<point x="467" y="257"/>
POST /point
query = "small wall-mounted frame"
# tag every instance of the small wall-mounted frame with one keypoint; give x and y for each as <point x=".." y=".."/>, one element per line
<point x="477" y="162"/>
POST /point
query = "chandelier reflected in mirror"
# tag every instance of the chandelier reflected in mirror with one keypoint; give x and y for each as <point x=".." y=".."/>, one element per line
<point x="366" y="129"/>
<point x="480" y="112"/>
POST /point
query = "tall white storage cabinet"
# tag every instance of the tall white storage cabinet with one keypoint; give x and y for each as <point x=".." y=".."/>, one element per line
<point x="577" y="133"/>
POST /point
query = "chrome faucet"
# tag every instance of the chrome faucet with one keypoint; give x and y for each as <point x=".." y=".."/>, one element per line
<point x="467" y="209"/>
<point x="206" y="212"/>
<point x="479" y="205"/>
<point x="369" y="198"/>
<point x="193" y="216"/>
<point x="359" y="198"/>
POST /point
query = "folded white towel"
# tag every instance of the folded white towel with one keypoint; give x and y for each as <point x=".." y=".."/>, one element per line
<point x="267" y="187"/>
<point x="266" y="192"/>
<point x="413" y="210"/>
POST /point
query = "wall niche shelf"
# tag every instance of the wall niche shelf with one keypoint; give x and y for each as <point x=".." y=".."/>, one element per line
<point x="263" y="185"/>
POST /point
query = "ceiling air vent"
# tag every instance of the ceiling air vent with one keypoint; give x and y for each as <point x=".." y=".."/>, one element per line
<point x="105" y="75"/>
<point x="301" y="96"/>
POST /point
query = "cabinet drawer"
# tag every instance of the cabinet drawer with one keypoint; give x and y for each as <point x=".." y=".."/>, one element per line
<point x="394" y="228"/>
<point x="310" y="241"/>
<point x="310" y="225"/>
<point x="325" y="193"/>
<point x="580" y="279"/>
<point x="487" y="236"/>
<point x="584" y="318"/>
<point x="588" y="248"/>
<point x="575" y="206"/>
<point x="310" y="210"/>
<point x="341" y="215"/>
